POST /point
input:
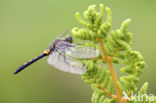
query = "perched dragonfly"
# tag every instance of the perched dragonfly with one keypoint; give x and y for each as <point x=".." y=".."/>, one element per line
<point x="61" y="54"/>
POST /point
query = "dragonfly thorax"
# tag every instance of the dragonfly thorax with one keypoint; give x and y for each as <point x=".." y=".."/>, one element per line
<point x="52" y="46"/>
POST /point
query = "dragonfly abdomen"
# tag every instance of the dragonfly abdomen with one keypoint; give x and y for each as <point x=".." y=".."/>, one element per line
<point x="31" y="61"/>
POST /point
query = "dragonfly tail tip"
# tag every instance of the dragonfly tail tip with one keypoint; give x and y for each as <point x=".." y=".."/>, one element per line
<point x="15" y="72"/>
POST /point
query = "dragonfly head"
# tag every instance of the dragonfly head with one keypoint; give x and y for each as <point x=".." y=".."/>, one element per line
<point x="69" y="39"/>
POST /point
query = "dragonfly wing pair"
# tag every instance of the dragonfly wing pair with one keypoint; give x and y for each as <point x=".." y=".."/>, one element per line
<point x="66" y="63"/>
<point x="62" y="57"/>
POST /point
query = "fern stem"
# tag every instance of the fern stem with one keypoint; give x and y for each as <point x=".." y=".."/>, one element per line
<point x="119" y="94"/>
<point x="114" y="77"/>
<point x="103" y="50"/>
<point x="106" y="92"/>
<point x="114" y="53"/>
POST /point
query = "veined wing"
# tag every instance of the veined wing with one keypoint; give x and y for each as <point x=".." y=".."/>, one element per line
<point x="65" y="63"/>
<point x="77" y="51"/>
<point x="82" y="52"/>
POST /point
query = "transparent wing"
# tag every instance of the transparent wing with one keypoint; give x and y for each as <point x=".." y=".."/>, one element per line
<point x="65" y="63"/>
<point x="82" y="52"/>
<point x="77" y="51"/>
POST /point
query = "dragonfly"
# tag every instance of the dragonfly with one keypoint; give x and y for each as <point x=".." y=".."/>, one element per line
<point x="62" y="54"/>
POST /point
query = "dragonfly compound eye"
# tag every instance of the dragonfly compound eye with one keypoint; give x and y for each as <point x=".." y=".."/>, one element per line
<point x="69" y="39"/>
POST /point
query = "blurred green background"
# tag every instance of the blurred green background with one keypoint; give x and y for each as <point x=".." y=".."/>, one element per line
<point x="28" y="26"/>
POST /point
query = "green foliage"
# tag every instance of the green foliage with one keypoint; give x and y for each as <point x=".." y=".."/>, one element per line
<point x="117" y="47"/>
<point x="142" y="97"/>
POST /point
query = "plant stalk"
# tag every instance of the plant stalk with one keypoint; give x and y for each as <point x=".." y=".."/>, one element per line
<point x="114" y="77"/>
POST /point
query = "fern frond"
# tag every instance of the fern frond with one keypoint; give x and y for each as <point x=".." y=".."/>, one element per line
<point x="114" y="47"/>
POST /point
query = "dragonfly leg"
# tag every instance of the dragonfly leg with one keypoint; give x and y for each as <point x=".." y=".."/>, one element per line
<point x="58" y="56"/>
<point x="64" y="57"/>
<point x="64" y="54"/>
